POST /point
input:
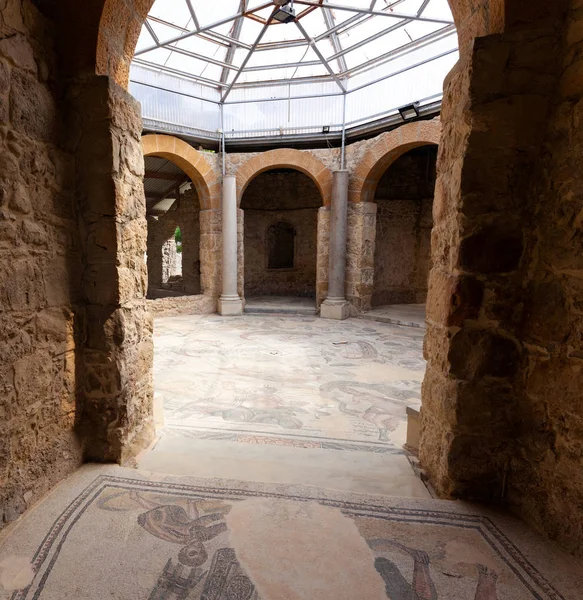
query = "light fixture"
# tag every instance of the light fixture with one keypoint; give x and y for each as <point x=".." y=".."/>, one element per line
<point x="284" y="12"/>
<point x="326" y="129"/>
<point x="410" y="111"/>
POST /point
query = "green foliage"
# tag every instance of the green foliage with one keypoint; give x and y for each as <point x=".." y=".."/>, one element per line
<point x="178" y="239"/>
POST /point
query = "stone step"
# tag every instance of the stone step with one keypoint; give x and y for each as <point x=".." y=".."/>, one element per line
<point x="278" y="310"/>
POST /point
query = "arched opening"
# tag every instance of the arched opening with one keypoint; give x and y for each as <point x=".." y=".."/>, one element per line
<point x="280" y="237"/>
<point x="173" y="216"/>
<point x="402" y="258"/>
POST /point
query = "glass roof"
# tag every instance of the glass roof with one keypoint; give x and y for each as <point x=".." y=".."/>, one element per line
<point x="236" y="45"/>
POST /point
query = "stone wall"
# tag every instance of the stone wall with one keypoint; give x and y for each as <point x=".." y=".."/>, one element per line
<point x="182" y="305"/>
<point x="360" y="245"/>
<point x="116" y="393"/>
<point x="163" y="257"/>
<point x="40" y="267"/>
<point x="280" y="196"/>
<point x="502" y="416"/>
<point x="402" y="251"/>
<point x="161" y="251"/>
<point x="404" y="198"/>
<point x="546" y="473"/>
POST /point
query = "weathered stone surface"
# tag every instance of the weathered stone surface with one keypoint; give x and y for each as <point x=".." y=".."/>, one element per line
<point x="32" y="107"/>
<point x="402" y="258"/>
<point x="493" y="249"/>
<point x="499" y="422"/>
<point x="18" y="50"/>
<point x="273" y="198"/>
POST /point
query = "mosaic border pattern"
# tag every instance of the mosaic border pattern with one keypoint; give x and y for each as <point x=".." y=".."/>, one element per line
<point x="48" y="552"/>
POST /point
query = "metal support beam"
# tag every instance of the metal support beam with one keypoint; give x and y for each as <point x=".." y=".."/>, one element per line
<point x="185" y="36"/>
<point x="335" y="41"/>
<point x="235" y="35"/>
<point x="320" y="56"/>
<point x="247" y="58"/>
<point x="193" y="14"/>
<point x="366" y="11"/>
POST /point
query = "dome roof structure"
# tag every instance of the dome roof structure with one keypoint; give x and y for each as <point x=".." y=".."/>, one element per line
<point x="236" y="66"/>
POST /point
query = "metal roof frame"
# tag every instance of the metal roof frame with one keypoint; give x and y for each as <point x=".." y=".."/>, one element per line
<point x="232" y="42"/>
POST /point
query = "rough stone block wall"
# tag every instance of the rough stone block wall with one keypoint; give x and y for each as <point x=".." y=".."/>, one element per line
<point x="188" y="211"/>
<point x="161" y="251"/>
<point x="322" y="262"/>
<point x="297" y="281"/>
<point x="501" y="398"/>
<point x="210" y="252"/>
<point x="402" y="251"/>
<point x="117" y="388"/>
<point x="164" y="261"/>
<point x="404" y="198"/>
<point x="360" y="247"/>
<point x="546" y="473"/>
<point x="40" y="266"/>
<point x="291" y="197"/>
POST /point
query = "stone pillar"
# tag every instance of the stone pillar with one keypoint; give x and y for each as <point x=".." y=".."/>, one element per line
<point x="230" y="302"/>
<point x="335" y="306"/>
<point x="114" y="368"/>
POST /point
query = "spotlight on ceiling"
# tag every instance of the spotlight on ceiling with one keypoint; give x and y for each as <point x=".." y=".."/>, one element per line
<point x="326" y="129"/>
<point x="410" y="111"/>
<point x="284" y="12"/>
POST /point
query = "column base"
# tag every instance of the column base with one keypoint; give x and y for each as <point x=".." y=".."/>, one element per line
<point x="335" y="310"/>
<point x="230" y="307"/>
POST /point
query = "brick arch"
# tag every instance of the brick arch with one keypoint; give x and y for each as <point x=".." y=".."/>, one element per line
<point x="286" y="158"/>
<point x="387" y="148"/>
<point x="191" y="161"/>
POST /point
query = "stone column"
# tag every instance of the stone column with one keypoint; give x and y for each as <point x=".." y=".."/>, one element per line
<point x="230" y="302"/>
<point x="335" y="306"/>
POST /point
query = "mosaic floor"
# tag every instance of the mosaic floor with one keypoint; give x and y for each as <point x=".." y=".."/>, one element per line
<point x="297" y="381"/>
<point x="115" y="533"/>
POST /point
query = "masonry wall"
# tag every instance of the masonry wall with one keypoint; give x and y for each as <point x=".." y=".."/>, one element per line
<point x="291" y="197"/>
<point x="404" y="198"/>
<point x="163" y="259"/>
<point x="40" y="267"/>
<point x="502" y="411"/>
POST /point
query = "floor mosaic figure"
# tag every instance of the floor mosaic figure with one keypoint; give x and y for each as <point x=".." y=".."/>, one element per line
<point x="190" y="539"/>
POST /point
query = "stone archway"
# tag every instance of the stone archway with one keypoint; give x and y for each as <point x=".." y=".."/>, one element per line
<point x="387" y="148"/>
<point x="365" y="176"/>
<point x="486" y="130"/>
<point x="290" y="159"/>
<point x="208" y="189"/>
<point x="320" y="174"/>
<point x="191" y="161"/>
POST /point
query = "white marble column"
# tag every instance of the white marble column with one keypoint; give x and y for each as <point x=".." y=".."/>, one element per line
<point x="229" y="303"/>
<point x="336" y="306"/>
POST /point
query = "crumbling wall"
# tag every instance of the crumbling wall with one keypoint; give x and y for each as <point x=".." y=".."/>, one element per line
<point x="545" y="479"/>
<point x="293" y="198"/>
<point x="40" y="267"/>
<point x="404" y="198"/>
<point x="502" y="416"/>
